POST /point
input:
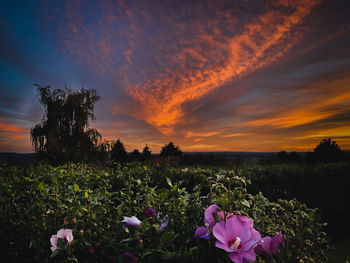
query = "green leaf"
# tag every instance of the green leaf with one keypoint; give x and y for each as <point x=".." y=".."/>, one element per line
<point x="41" y="186"/>
<point x="76" y="187"/>
<point x="56" y="252"/>
<point x="169" y="182"/>
<point x="245" y="203"/>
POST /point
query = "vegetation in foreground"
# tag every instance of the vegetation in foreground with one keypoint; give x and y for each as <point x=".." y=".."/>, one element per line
<point x="96" y="205"/>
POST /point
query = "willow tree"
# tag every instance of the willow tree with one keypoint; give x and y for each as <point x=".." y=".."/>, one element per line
<point x="63" y="133"/>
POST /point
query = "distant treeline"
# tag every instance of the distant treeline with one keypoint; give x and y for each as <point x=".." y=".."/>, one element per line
<point x="63" y="135"/>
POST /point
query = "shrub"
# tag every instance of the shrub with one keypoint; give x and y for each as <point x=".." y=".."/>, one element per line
<point x="37" y="202"/>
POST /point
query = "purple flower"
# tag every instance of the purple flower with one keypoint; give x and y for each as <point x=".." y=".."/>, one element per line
<point x="209" y="222"/>
<point x="149" y="212"/>
<point x="269" y="245"/>
<point x="237" y="236"/>
<point x="65" y="234"/>
<point x="131" y="221"/>
<point x="164" y="224"/>
<point x="222" y="215"/>
<point x="209" y="219"/>
<point x="130" y="257"/>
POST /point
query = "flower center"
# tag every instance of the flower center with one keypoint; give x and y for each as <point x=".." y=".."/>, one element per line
<point x="235" y="244"/>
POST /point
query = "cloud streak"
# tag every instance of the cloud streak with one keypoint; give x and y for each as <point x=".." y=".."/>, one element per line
<point x="262" y="42"/>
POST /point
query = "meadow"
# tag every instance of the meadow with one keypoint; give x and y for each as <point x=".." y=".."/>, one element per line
<point x="306" y="204"/>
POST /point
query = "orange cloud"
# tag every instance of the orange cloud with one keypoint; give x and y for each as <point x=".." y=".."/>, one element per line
<point x="324" y="103"/>
<point x="9" y="127"/>
<point x="191" y="134"/>
<point x="262" y="42"/>
<point x="236" y="135"/>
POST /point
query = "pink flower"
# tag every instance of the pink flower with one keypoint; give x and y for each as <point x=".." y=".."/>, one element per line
<point x="130" y="257"/>
<point x="237" y="236"/>
<point x="53" y="241"/>
<point x="65" y="234"/>
<point x="209" y="222"/>
<point x="269" y="245"/>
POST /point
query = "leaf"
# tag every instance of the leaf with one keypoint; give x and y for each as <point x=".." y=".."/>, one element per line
<point x="76" y="187"/>
<point x="169" y="182"/>
<point x="126" y="240"/>
<point x="41" y="186"/>
<point x="55" y="253"/>
<point x="245" y="203"/>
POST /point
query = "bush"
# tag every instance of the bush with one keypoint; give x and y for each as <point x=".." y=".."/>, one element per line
<point x="37" y="202"/>
<point x="324" y="186"/>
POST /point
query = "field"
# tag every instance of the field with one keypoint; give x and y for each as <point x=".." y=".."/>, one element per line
<point x="169" y="201"/>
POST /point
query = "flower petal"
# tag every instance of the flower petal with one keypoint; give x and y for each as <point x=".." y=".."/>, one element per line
<point x="208" y="215"/>
<point x="223" y="246"/>
<point x="131" y="221"/>
<point x="235" y="257"/>
<point x="65" y="234"/>
<point x="219" y="232"/>
<point x="201" y="231"/>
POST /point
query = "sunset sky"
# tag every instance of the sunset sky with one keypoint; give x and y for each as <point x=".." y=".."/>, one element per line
<point x="235" y="75"/>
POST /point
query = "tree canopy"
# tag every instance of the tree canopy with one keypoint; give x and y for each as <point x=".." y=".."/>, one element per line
<point x="146" y="153"/>
<point x="63" y="133"/>
<point x="118" y="152"/>
<point x="328" y="151"/>
<point x="171" y="149"/>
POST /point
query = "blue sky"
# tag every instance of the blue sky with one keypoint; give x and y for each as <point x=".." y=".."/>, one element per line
<point x="208" y="75"/>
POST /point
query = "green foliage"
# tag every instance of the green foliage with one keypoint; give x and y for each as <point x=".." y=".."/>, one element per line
<point x="325" y="186"/>
<point x="36" y="202"/>
<point x="64" y="133"/>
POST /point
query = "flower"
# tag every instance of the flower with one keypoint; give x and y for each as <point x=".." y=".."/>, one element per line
<point x="269" y="245"/>
<point x="209" y="222"/>
<point x="237" y="236"/>
<point x="53" y="241"/>
<point x="131" y="221"/>
<point x="165" y="223"/>
<point x="65" y="234"/>
<point x="222" y="215"/>
<point x="149" y="212"/>
<point x="130" y="257"/>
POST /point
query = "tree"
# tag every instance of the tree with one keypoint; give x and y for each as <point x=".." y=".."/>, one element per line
<point x="135" y="155"/>
<point x="64" y="133"/>
<point x="118" y="152"/>
<point x="146" y="153"/>
<point x="171" y="150"/>
<point x="328" y="151"/>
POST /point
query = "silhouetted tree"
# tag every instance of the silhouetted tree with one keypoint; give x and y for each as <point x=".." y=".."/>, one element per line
<point x="135" y="155"/>
<point x="103" y="150"/>
<point x="146" y="153"/>
<point x="64" y="133"/>
<point x="171" y="150"/>
<point x="118" y="152"/>
<point x="328" y="151"/>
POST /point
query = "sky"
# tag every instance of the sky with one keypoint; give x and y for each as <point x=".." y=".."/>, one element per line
<point x="238" y="75"/>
